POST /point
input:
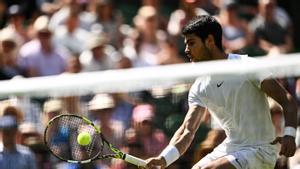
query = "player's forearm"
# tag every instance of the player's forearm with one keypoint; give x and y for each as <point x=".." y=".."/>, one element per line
<point x="182" y="139"/>
<point x="176" y="136"/>
<point x="290" y="112"/>
<point x="289" y="106"/>
<point x="173" y="151"/>
<point x="184" y="136"/>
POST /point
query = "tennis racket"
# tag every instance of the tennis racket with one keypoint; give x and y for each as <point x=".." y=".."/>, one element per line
<point x="61" y="139"/>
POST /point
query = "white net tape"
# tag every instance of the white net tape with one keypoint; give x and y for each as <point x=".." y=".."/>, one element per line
<point x="136" y="79"/>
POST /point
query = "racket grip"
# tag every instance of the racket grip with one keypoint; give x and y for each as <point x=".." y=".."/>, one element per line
<point x="134" y="160"/>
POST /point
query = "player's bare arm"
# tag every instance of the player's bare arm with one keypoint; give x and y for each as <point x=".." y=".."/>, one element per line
<point x="289" y="106"/>
<point x="183" y="137"/>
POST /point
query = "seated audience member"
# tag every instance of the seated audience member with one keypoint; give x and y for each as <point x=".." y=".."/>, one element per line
<point x="40" y="56"/>
<point x="153" y="139"/>
<point x="12" y="154"/>
<point x="101" y="109"/>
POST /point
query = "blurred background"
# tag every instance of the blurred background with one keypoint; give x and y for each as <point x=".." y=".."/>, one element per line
<point x="40" y="38"/>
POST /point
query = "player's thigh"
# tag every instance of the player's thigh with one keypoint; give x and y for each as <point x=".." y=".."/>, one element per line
<point x="221" y="163"/>
<point x="263" y="157"/>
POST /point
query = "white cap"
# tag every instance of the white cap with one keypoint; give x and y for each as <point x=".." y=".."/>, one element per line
<point x="96" y="41"/>
<point x="7" y="35"/>
<point x="53" y="105"/>
<point x="101" y="101"/>
<point x="42" y="24"/>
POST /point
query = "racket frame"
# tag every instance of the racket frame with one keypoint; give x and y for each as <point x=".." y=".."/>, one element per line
<point x="118" y="154"/>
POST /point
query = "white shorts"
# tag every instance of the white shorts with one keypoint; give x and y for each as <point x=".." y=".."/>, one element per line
<point x="258" y="157"/>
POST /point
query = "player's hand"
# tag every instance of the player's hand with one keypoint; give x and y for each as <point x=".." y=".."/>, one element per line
<point x="156" y="163"/>
<point x="288" y="145"/>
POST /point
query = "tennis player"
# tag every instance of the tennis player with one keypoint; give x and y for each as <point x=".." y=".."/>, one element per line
<point x="240" y="106"/>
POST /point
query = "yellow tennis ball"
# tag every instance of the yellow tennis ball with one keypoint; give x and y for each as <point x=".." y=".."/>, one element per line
<point x="84" y="138"/>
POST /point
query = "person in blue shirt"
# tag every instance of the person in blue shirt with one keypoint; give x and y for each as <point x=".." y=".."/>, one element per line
<point x="13" y="155"/>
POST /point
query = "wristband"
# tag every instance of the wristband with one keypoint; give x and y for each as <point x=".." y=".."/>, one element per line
<point x="289" y="131"/>
<point x="170" y="154"/>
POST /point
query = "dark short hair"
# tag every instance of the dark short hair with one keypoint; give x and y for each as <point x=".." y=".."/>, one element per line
<point x="205" y="25"/>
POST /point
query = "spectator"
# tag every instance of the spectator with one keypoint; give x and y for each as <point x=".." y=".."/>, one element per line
<point x="70" y="35"/>
<point x="272" y="28"/>
<point x="30" y="137"/>
<point x="123" y="62"/>
<point x="68" y="7"/>
<point x="109" y="20"/>
<point x="40" y="57"/>
<point x="234" y="34"/>
<point x="248" y="10"/>
<point x="52" y="108"/>
<point x="147" y="44"/>
<point x="133" y="146"/>
<point x="153" y="139"/>
<point x="67" y="104"/>
<point x="73" y="64"/>
<point x="12" y="154"/>
<point x="97" y="57"/>
<point x="161" y="12"/>
<point x="179" y="17"/>
<point x="186" y="11"/>
<point x="49" y="7"/>
<point x="9" y="48"/>
<point x="169" y="53"/>
<point x="123" y="108"/>
<point x="7" y="109"/>
<point x="74" y="104"/>
<point x="101" y="109"/>
<point x="16" y="23"/>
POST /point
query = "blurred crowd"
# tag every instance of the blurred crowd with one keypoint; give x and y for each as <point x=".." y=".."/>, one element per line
<point x="52" y="37"/>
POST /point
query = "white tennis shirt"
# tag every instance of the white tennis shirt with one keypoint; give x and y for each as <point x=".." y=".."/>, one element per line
<point x="239" y="106"/>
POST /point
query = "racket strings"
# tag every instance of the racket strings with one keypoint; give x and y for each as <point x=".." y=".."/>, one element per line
<point x="61" y="138"/>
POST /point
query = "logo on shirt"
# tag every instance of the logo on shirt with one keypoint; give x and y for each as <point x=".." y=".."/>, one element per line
<point x="220" y="84"/>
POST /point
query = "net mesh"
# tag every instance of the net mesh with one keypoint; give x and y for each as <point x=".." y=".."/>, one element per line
<point x="61" y="139"/>
<point x="164" y="86"/>
<point x="77" y="90"/>
<point x="137" y="79"/>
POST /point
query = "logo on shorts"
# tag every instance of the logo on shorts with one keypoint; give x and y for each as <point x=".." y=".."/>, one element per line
<point x="220" y="84"/>
<point x="237" y="160"/>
